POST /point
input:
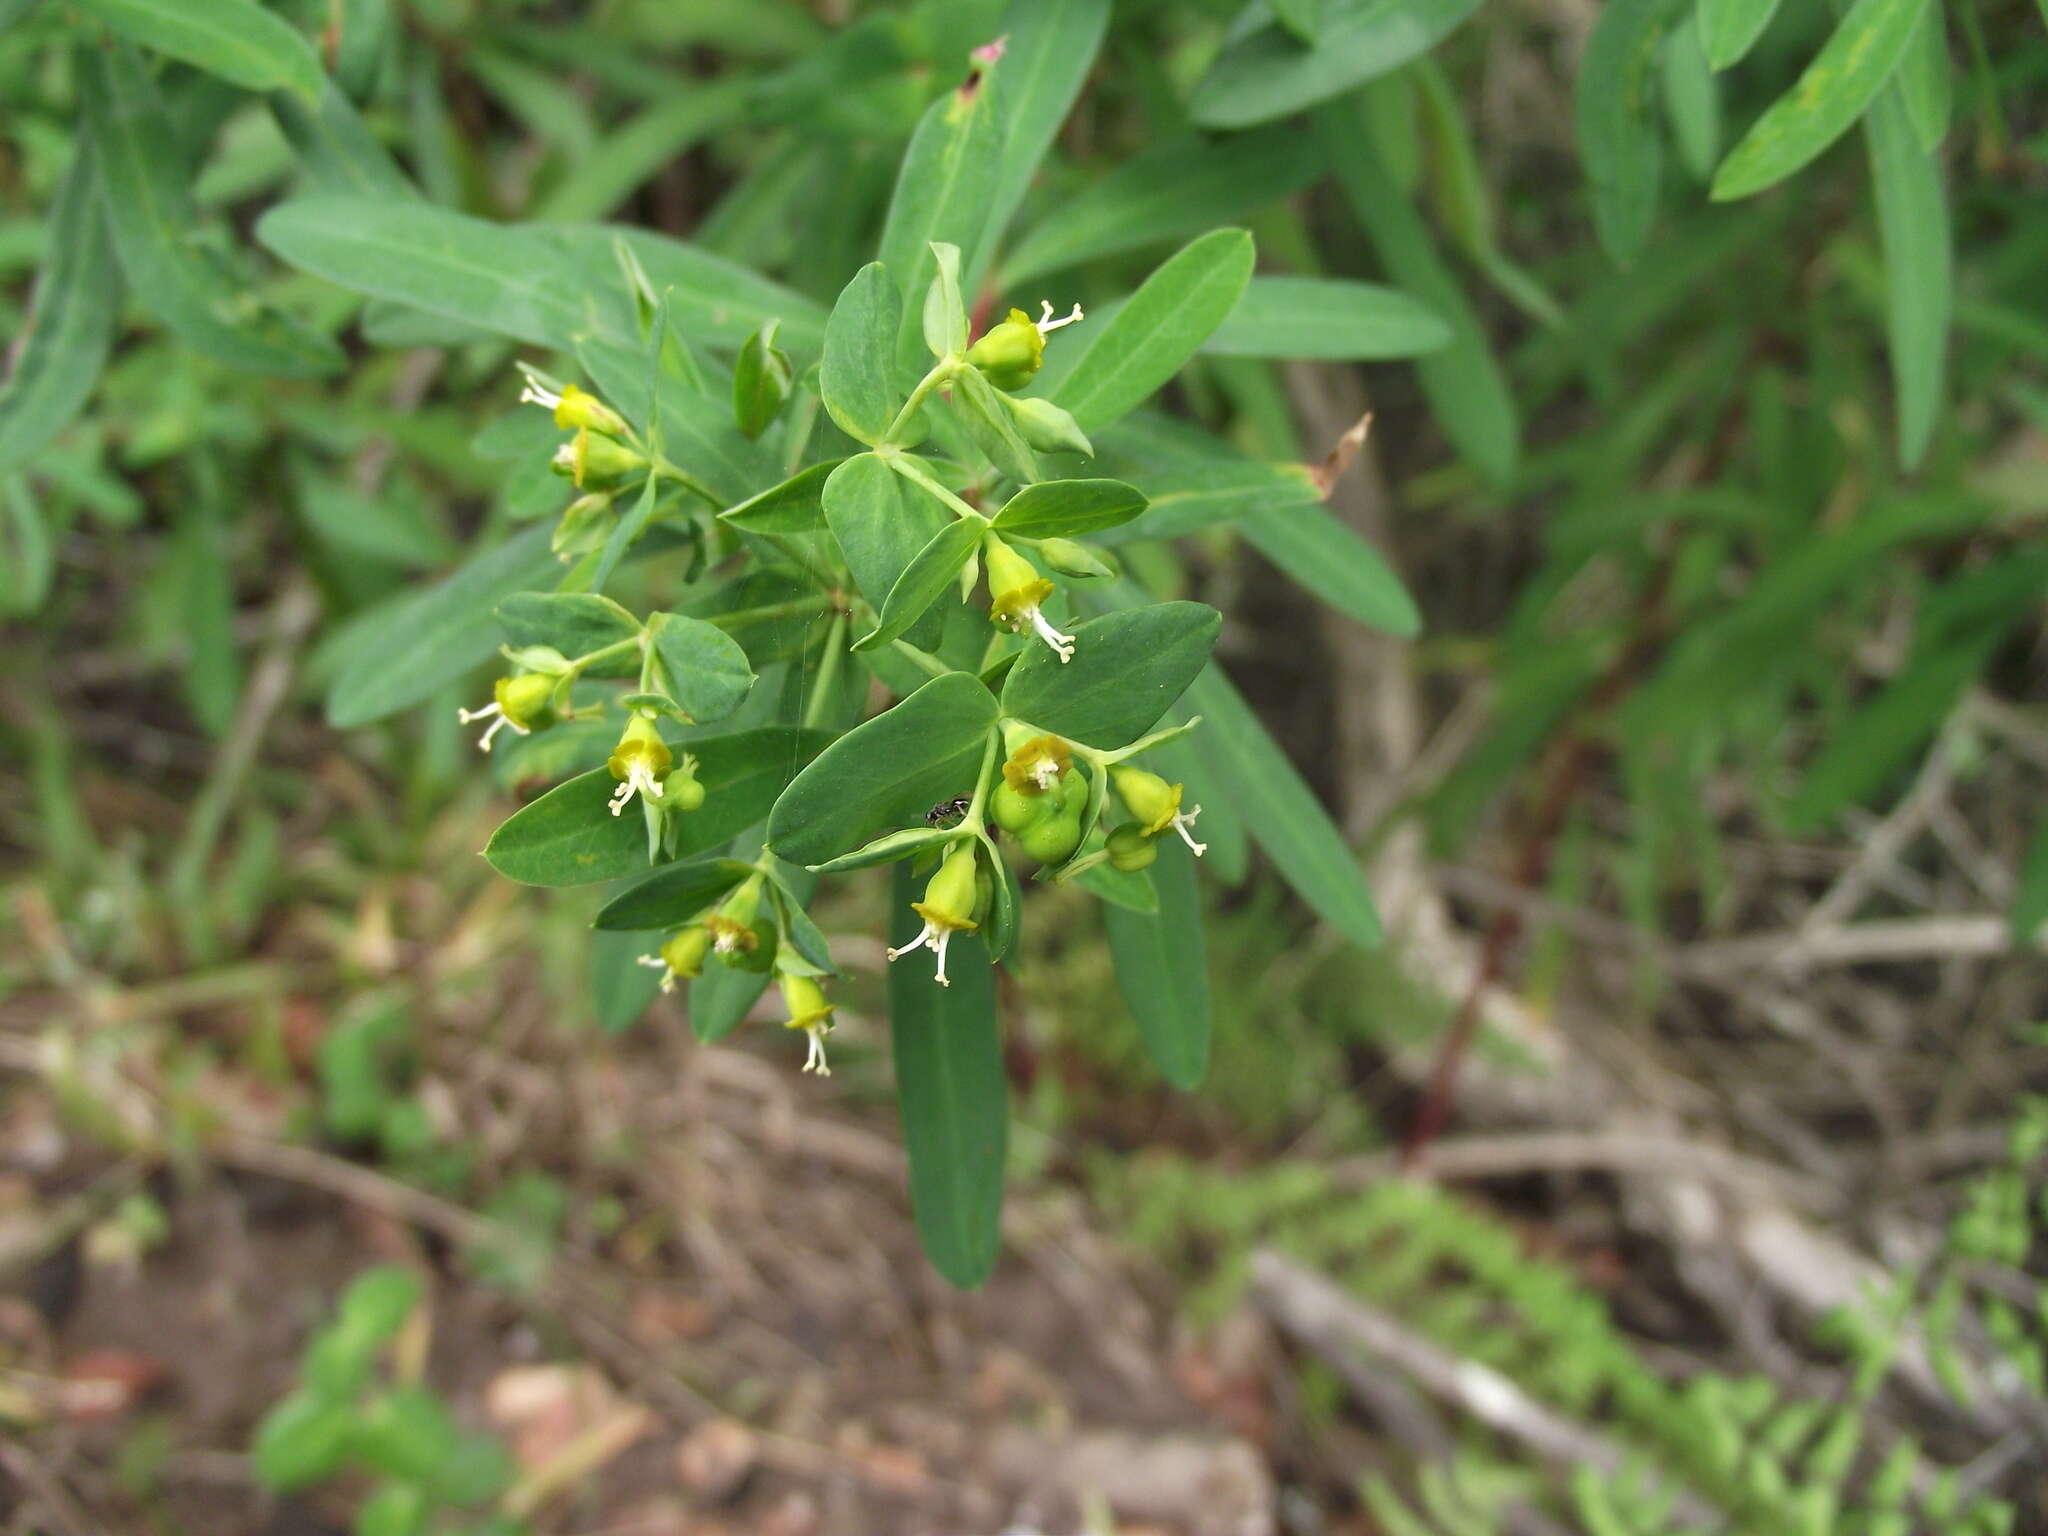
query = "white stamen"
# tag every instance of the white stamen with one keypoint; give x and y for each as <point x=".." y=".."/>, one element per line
<point x="566" y="455"/>
<point x="935" y="936"/>
<point x="1181" y="823"/>
<point x="668" y="977"/>
<point x="814" y="1058"/>
<point x="499" y="721"/>
<point x="1047" y="325"/>
<point x="1062" y="644"/>
<point x="727" y="942"/>
<point x="534" y="394"/>
<point x="1045" y="773"/>
<point x="639" y="780"/>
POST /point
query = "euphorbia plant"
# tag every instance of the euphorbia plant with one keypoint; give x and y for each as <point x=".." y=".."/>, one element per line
<point x="922" y="510"/>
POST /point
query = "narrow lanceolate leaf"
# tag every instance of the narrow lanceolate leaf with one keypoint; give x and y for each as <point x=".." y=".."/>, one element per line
<point x="1159" y="329"/>
<point x="1280" y="811"/>
<point x="1912" y="221"/>
<point x="146" y="194"/>
<point x="1730" y="28"/>
<point x="71" y="320"/>
<point x="672" y="895"/>
<point x="795" y="506"/>
<point x="1838" y="85"/>
<point x="952" y="1096"/>
<point x="1196" y="480"/>
<point x="336" y="147"/>
<point x="1267" y="73"/>
<point x="236" y="39"/>
<point x="927" y="578"/>
<point x="570" y="837"/>
<point x="1468" y="395"/>
<point x="1337" y="565"/>
<point x="943" y="193"/>
<point x="1171" y="190"/>
<point x="1927" y="79"/>
<point x="885" y="773"/>
<point x="1614" y="102"/>
<point x="1162" y="969"/>
<point x="392" y="656"/>
<point x="574" y="623"/>
<point x="1049" y="46"/>
<point x="1128" y="669"/>
<point x="1692" y="99"/>
<point x="2030" y="900"/>
<point x="857" y="377"/>
<point x="1069" y="508"/>
<point x="1317" y="317"/>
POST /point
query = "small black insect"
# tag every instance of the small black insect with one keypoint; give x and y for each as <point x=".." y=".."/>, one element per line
<point x="948" y="810"/>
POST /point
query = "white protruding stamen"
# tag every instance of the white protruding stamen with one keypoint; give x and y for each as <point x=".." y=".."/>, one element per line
<point x="935" y="936"/>
<point x="814" y="1058"/>
<point x="639" y="781"/>
<point x="1181" y="823"/>
<point x="668" y="977"/>
<point x="727" y="942"/>
<point x="534" y="394"/>
<point x="1062" y="644"/>
<point x="1045" y="773"/>
<point x="566" y="455"/>
<point x="1047" y="325"/>
<point x="499" y="721"/>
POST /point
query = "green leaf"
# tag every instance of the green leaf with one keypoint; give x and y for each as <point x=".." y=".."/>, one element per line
<point x="1730" y="28"/>
<point x="1128" y="669"/>
<point x="945" y="312"/>
<point x="1159" y="329"/>
<point x="378" y="1301"/>
<point x="1927" y="79"/>
<point x="1613" y="104"/>
<point x="1834" y="91"/>
<point x="1173" y="189"/>
<point x="302" y="1440"/>
<point x="886" y="849"/>
<point x="1337" y="565"/>
<point x="1050" y="47"/>
<point x="2030" y="900"/>
<point x="886" y="772"/>
<point x="396" y="1509"/>
<point x="857" y="379"/>
<point x="396" y="654"/>
<point x="1195" y="480"/>
<point x="1913" y="227"/>
<point x="574" y="623"/>
<point x="795" y="506"/>
<point x="880" y="529"/>
<point x="1280" y="811"/>
<point x="1468" y="395"/>
<point x="1692" y="99"/>
<point x="237" y="40"/>
<point x="721" y="998"/>
<point x="1162" y="969"/>
<point x="1266" y="73"/>
<point x="952" y="1095"/>
<point x="699" y="665"/>
<point x="71" y="321"/>
<point x="569" y="836"/>
<point x="992" y="427"/>
<point x="925" y="580"/>
<point x="621" y="989"/>
<point x="760" y="381"/>
<point x="1130" y="889"/>
<point x="147" y="199"/>
<point x="1067" y="508"/>
<point x="336" y="148"/>
<point x="672" y="895"/>
<point x="943" y="195"/>
<point x="1318" y="317"/>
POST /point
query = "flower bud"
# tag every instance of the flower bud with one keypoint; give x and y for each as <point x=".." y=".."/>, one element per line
<point x="1047" y="427"/>
<point x="640" y="762"/>
<point x="810" y="1011"/>
<point x="1017" y="594"/>
<point x="592" y="459"/>
<point x="1009" y="352"/>
<point x="1130" y="849"/>
<point x="952" y="900"/>
<point x="1151" y="799"/>
<point x="684" y="952"/>
<point x="524" y="700"/>
<point x="579" y="408"/>
<point x="1072" y="559"/>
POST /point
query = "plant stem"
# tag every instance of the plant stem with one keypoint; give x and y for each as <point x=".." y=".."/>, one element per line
<point x="828" y="671"/>
<point x="942" y="371"/>
<point x="914" y="472"/>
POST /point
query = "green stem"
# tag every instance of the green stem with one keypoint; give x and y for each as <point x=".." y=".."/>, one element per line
<point x="794" y="607"/>
<point x="994" y="745"/>
<point x="828" y="671"/>
<point x="942" y="371"/>
<point x="603" y="653"/>
<point x="663" y="465"/>
<point x="923" y="658"/>
<point x="914" y="472"/>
